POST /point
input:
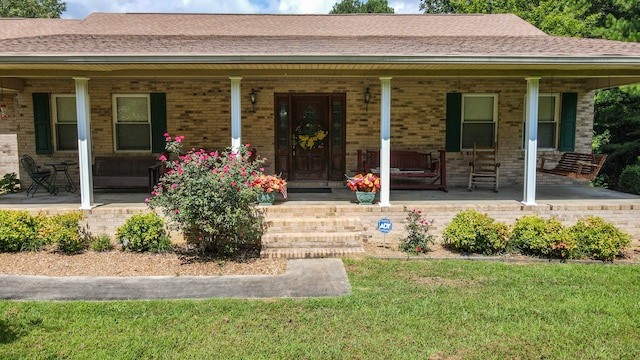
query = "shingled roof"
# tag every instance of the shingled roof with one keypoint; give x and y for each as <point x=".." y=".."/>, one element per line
<point x="382" y="41"/>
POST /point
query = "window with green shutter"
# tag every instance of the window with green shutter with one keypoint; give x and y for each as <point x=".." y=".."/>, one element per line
<point x="42" y="123"/>
<point x="568" y="122"/>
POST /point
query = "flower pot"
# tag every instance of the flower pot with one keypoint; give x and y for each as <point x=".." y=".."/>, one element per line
<point x="265" y="198"/>
<point x="365" y="198"/>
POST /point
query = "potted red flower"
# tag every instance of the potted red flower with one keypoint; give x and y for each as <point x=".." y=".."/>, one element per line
<point x="269" y="184"/>
<point x="365" y="187"/>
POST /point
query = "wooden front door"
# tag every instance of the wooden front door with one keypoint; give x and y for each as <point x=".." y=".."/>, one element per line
<point x="310" y="136"/>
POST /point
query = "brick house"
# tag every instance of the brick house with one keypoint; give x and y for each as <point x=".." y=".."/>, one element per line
<point x="114" y="83"/>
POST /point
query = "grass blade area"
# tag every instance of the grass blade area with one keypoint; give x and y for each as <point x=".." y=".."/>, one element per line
<point x="398" y="310"/>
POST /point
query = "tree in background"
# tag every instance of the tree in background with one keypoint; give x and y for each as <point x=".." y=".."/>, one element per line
<point x="32" y="8"/>
<point x="356" y="6"/>
<point x="617" y="111"/>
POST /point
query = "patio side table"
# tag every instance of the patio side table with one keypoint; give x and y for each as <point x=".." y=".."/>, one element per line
<point x="62" y="167"/>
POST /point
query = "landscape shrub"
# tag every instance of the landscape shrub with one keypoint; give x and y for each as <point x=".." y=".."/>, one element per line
<point x="471" y="231"/>
<point x="65" y="232"/>
<point x="101" y="243"/>
<point x="9" y="183"/>
<point x="418" y="238"/>
<point x="598" y="239"/>
<point x="533" y="235"/>
<point x="19" y="231"/>
<point x="208" y="195"/>
<point x="629" y="180"/>
<point x="143" y="232"/>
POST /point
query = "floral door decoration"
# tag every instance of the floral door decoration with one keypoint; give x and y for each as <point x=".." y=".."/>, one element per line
<point x="309" y="134"/>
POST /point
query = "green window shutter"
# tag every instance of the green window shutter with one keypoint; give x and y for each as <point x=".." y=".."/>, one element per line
<point x="158" y="121"/>
<point x="568" y="122"/>
<point x="42" y="123"/>
<point x="454" y="118"/>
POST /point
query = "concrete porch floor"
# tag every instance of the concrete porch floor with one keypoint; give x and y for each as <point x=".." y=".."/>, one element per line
<point x="340" y="196"/>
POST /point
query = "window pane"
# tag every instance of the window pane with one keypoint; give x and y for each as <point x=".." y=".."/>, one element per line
<point x="546" y="108"/>
<point x="480" y="134"/>
<point x="133" y="136"/>
<point x="67" y="136"/>
<point x="546" y="135"/>
<point x="66" y="109"/>
<point x="132" y="109"/>
<point x="478" y="108"/>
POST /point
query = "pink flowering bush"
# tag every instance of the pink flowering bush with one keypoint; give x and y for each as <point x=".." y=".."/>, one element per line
<point x="209" y="196"/>
<point x="418" y="238"/>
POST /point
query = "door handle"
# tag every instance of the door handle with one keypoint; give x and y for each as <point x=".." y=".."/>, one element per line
<point x="293" y="150"/>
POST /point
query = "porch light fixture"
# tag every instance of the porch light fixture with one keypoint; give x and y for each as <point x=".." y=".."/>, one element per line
<point x="252" y="97"/>
<point x="367" y="98"/>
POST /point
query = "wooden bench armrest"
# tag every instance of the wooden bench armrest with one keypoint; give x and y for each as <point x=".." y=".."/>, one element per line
<point x="585" y="163"/>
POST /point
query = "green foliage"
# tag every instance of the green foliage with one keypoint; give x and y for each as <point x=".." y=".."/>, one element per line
<point x="562" y="18"/>
<point x="64" y="231"/>
<point x="418" y="238"/>
<point x="599" y="239"/>
<point x="629" y="180"/>
<point x="32" y="8"/>
<point x="101" y="243"/>
<point x="533" y="235"/>
<point x="356" y="6"/>
<point x="143" y="232"/>
<point x="617" y="114"/>
<point x="209" y="196"/>
<point x="18" y="231"/>
<point x="9" y="183"/>
<point x="471" y="231"/>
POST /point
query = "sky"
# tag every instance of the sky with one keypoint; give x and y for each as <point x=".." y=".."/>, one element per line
<point x="77" y="9"/>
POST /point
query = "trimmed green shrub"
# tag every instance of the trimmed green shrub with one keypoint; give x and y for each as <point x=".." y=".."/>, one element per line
<point x="533" y="235"/>
<point x="101" y="243"/>
<point x="471" y="231"/>
<point x="598" y="239"/>
<point x="9" y="183"/>
<point x="19" y="231"/>
<point x="64" y="231"/>
<point x="143" y="232"/>
<point x="629" y="180"/>
<point x="418" y="238"/>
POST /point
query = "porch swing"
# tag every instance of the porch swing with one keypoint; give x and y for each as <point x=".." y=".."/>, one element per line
<point x="575" y="165"/>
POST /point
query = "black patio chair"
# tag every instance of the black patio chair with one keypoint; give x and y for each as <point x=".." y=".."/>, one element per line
<point x="39" y="177"/>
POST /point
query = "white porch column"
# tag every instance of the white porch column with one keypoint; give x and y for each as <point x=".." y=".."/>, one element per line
<point x="83" y="113"/>
<point x="531" y="141"/>
<point x="236" y="116"/>
<point x="385" y="141"/>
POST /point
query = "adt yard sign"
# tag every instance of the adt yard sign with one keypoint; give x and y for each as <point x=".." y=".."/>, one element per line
<point x="385" y="225"/>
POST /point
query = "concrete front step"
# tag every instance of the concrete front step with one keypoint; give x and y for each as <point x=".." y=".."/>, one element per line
<point x="313" y="225"/>
<point x="312" y="240"/>
<point x="304" y="237"/>
<point x="301" y="253"/>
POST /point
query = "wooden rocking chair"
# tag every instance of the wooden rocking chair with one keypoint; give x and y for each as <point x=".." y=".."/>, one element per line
<point x="484" y="169"/>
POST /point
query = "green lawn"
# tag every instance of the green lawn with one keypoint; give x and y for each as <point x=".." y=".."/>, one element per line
<point x="398" y="310"/>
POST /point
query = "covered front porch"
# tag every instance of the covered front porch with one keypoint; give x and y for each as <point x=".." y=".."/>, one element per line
<point x="328" y="222"/>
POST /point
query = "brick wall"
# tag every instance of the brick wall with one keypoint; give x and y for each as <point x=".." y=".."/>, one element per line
<point x="199" y="109"/>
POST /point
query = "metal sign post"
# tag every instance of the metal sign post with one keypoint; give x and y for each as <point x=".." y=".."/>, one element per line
<point x="385" y="226"/>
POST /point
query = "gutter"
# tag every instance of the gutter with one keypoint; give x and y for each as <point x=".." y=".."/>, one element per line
<point x="608" y="60"/>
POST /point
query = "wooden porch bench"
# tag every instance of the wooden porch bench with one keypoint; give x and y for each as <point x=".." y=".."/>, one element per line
<point x="126" y="172"/>
<point x="411" y="166"/>
<point x="575" y="165"/>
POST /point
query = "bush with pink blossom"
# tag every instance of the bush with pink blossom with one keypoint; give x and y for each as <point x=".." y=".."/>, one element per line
<point x="208" y="195"/>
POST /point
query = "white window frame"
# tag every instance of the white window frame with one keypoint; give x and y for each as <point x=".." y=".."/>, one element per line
<point x="556" y="120"/>
<point x="54" y="117"/>
<point x="494" y="120"/>
<point x="114" y="99"/>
